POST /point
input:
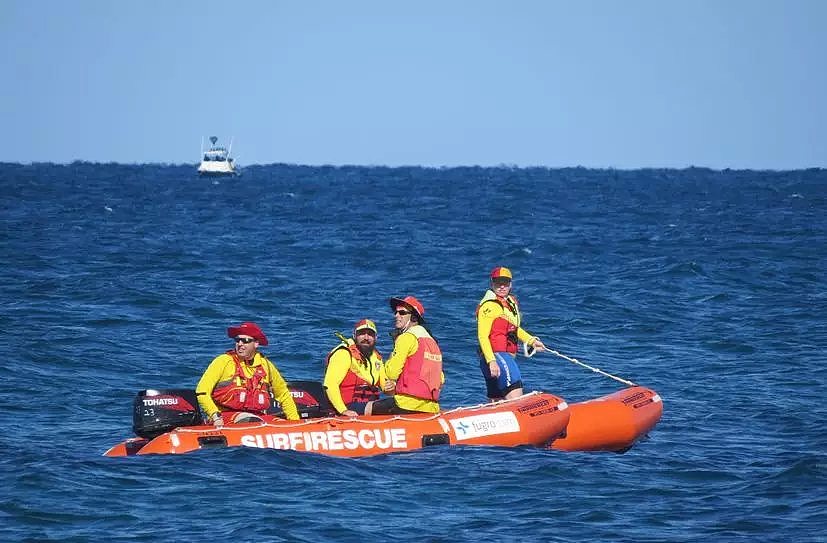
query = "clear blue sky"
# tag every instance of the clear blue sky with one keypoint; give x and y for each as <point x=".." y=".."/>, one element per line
<point x="601" y="83"/>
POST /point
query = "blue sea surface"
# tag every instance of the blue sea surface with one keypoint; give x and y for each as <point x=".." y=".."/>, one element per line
<point x="709" y="287"/>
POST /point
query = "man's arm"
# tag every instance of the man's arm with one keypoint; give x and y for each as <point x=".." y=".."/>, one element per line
<point x="406" y="345"/>
<point x="489" y="311"/>
<point x="337" y="369"/>
<point x="210" y="378"/>
<point x="283" y="394"/>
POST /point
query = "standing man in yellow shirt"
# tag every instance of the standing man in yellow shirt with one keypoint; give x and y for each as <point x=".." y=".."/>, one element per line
<point x="414" y="369"/>
<point x="498" y="330"/>
<point x="355" y="374"/>
<point x="242" y="381"/>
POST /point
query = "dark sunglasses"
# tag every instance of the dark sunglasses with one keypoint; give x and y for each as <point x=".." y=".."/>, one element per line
<point x="244" y="340"/>
<point x="401" y="312"/>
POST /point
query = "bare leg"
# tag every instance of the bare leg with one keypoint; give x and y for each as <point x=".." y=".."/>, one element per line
<point x="516" y="393"/>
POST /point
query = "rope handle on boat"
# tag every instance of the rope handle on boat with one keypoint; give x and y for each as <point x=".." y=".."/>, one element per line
<point x="531" y="351"/>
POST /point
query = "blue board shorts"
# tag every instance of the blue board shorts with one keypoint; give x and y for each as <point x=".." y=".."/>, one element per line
<point x="509" y="379"/>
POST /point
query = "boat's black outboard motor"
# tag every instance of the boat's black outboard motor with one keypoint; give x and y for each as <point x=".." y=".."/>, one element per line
<point x="310" y="398"/>
<point x="157" y="411"/>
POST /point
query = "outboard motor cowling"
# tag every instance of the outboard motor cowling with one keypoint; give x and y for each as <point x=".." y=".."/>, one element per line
<point x="157" y="411"/>
<point x="311" y="400"/>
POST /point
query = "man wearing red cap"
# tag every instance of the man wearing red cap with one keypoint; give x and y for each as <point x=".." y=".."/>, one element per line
<point x="498" y="330"/>
<point x="414" y="369"/>
<point x="355" y="373"/>
<point x="242" y="381"/>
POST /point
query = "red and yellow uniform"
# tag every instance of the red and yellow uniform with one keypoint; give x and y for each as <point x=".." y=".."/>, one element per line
<point x="349" y="378"/>
<point x="416" y="365"/>
<point x="222" y="373"/>
<point x="498" y="325"/>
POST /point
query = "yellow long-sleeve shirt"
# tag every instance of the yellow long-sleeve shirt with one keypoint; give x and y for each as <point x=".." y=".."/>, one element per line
<point x="340" y="363"/>
<point x="405" y="345"/>
<point x="222" y="369"/>
<point x="489" y="311"/>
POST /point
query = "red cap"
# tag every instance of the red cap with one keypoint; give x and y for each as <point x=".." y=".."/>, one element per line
<point x="411" y="302"/>
<point x="365" y="324"/>
<point x="248" y="329"/>
<point x="501" y="272"/>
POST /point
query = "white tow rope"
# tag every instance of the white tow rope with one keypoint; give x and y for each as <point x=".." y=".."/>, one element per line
<point x="531" y="351"/>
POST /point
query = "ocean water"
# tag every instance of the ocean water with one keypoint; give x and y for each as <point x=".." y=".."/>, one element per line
<point x="706" y="286"/>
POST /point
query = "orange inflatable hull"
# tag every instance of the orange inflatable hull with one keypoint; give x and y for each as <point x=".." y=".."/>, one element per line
<point x="534" y="419"/>
<point x="611" y="423"/>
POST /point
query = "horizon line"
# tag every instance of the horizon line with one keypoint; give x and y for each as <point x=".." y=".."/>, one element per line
<point x="501" y="166"/>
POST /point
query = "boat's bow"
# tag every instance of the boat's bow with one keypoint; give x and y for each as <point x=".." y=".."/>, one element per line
<point x="611" y="423"/>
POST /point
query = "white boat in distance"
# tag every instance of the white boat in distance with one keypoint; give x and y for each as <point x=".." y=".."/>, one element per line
<point x="216" y="161"/>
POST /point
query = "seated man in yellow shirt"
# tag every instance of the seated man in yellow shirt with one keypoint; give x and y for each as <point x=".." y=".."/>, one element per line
<point x="243" y="381"/>
<point x="354" y="373"/>
<point x="414" y="369"/>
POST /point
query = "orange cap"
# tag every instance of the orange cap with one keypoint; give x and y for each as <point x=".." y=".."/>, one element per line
<point x="411" y="302"/>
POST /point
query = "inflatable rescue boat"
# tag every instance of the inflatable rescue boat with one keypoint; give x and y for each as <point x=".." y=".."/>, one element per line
<point x="168" y="422"/>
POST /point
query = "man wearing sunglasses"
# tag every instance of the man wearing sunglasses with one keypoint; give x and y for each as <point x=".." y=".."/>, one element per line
<point x="498" y="331"/>
<point x="242" y="382"/>
<point x="414" y="369"/>
<point x="354" y="371"/>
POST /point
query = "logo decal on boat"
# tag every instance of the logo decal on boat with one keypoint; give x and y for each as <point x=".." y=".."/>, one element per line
<point x="330" y="440"/>
<point x="534" y="405"/>
<point x="162" y="400"/>
<point x="485" y="425"/>
<point x="173" y="402"/>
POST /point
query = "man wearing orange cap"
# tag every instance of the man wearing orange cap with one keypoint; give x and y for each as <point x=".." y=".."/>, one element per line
<point x="498" y="330"/>
<point x="355" y="372"/>
<point x="242" y="381"/>
<point x="414" y="369"/>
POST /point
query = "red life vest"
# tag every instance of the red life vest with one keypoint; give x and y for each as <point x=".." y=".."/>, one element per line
<point x="242" y="393"/>
<point x="503" y="335"/>
<point x="421" y="375"/>
<point x="355" y="389"/>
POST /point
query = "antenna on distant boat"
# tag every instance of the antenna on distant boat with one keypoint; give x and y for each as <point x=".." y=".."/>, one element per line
<point x="230" y="150"/>
<point x="213" y="139"/>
